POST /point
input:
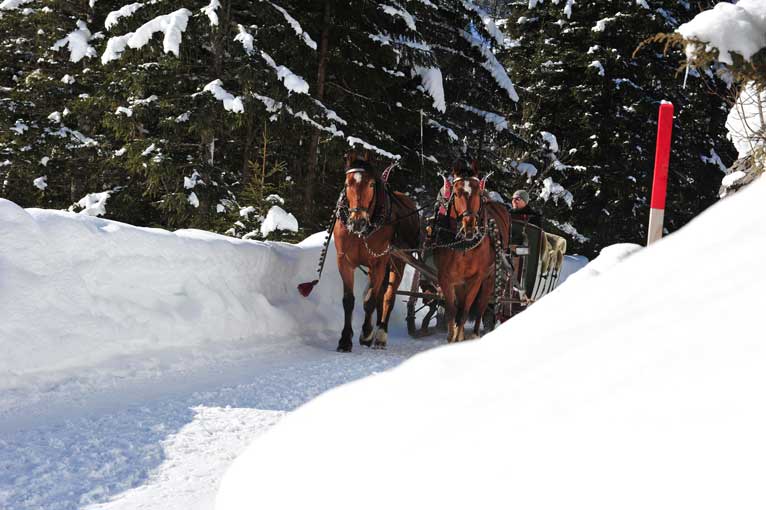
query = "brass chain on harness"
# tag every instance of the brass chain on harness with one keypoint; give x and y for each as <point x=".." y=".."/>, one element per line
<point x="446" y="204"/>
<point x="500" y="282"/>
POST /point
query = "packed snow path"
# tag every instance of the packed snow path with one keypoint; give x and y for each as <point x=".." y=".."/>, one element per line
<point x="164" y="442"/>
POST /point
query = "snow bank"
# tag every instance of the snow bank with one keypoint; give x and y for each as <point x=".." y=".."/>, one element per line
<point x="77" y="291"/>
<point x="639" y="386"/>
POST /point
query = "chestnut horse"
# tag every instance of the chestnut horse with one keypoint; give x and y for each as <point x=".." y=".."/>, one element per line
<point x="371" y="222"/>
<point x="466" y="266"/>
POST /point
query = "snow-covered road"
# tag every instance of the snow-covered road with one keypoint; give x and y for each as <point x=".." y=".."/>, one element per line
<point x="163" y="440"/>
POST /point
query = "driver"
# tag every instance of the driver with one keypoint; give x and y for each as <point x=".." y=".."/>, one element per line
<point x="520" y="208"/>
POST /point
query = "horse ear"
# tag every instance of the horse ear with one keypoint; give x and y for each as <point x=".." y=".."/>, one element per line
<point x="446" y="187"/>
<point x="483" y="183"/>
<point x="350" y="156"/>
<point x="366" y="156"/>
<point x="475" y="168"/>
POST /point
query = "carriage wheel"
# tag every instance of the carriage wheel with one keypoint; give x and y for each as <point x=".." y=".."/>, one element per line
<point x="420" y="284"/>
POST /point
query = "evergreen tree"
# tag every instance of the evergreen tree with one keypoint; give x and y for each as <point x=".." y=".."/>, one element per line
<point x="198" y="114"/>
<point x="743" y="63"/>
<point x="600" y="100"/>
<point x="53" y="148"/>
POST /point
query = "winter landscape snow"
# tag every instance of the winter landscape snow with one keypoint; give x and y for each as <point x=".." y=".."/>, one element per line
<point x="179" y="369"/>
<point x="643" y="369"/>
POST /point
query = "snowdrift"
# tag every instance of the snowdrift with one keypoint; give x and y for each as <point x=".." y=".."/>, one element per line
<point x="637" y="384"/>
<point x="88" y="300"/>
<point x="77" y="291"/>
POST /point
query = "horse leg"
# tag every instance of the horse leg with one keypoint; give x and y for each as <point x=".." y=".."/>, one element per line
<point x="485" y="292"/>
<point x="394" y="276"/>
<point x="347" y="275"/>
<point x="371" y="301"/>
<point x="369" y="306"/>
<point x="471" y="291"/>
<point x="463" y="305"/>
<point x="450" y="310"/>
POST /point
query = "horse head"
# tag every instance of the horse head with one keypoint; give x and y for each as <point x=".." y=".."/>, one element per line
<point x="360" y="192"/>
<point x="466" y="198"/>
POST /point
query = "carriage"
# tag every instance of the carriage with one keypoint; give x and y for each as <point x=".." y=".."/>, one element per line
<point x="527" y="271"/>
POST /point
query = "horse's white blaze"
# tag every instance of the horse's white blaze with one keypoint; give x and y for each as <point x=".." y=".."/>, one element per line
<point x="467" y="187"/>
<point x="358" y="177"/>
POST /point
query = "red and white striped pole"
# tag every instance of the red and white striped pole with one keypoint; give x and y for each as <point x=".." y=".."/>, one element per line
<point x="660" y="183"/>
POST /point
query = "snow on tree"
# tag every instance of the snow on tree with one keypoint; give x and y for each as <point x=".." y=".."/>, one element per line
<point x="735" y="36"/>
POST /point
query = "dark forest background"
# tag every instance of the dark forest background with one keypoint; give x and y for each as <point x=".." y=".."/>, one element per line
<point x="312" y="79"/>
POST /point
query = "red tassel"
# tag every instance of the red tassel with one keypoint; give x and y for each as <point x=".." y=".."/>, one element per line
<point x="306" y="288"/>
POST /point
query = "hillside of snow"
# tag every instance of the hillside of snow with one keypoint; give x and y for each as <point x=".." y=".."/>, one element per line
<point x="78" y="291"/>
<point x="637" y="384"/>
<point x="90" y="299"/>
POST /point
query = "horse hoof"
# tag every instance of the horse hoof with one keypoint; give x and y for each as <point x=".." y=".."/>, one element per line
<point x="381" y="339"/>
<point x="344" y="347"/>
<point x="366" y="340"/>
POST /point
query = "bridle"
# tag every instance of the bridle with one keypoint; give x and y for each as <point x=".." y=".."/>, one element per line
<point x="468" y="213"/>
<point x="371" y="207"/>
<point x="446" y="203"/>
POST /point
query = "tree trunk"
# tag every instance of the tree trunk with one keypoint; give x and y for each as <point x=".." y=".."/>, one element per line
<point x="311" y="167"/>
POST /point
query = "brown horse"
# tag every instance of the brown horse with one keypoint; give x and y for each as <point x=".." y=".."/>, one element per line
<point x="371" y="222"/>
<point x="466" y="266"/>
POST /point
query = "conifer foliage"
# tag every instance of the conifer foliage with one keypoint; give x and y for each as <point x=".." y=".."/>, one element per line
<point x="208" y="113"/>
<point x="600" y="100"/>
<point x="211" y="113"/>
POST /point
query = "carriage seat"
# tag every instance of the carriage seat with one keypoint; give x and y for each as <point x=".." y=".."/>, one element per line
<point x="554" y="248"/>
